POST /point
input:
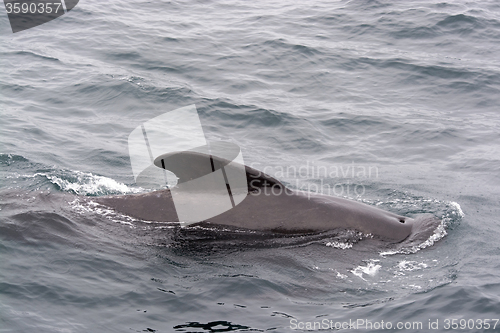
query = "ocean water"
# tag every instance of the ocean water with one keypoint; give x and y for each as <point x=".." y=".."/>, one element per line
<point x="399" y="101"/>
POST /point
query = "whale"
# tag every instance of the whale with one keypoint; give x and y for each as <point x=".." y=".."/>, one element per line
<point x="271" y="206"/>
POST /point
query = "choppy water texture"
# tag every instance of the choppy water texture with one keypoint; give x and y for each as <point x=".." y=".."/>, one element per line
<point x="409" y="90"/>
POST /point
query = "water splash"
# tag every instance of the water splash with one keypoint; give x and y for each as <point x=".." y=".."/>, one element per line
<point x="86" y="183"/>
<point x="370" y="269"/>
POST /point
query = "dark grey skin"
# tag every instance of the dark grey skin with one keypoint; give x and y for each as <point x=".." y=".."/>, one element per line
<point x="269" y="205"/>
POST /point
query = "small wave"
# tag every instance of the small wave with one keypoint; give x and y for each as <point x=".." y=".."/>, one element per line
<point x="8" y="159"/>
<point x="34" y="54"/>
<point x="86" y="183"/>
<point x="460" y="21"/>
<point x="76" y="182"/>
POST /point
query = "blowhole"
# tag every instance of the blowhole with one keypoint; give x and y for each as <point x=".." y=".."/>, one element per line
<point x="401" y="220"/>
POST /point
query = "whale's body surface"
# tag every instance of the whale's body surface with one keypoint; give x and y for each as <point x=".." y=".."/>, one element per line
<point x="269" y="205"/>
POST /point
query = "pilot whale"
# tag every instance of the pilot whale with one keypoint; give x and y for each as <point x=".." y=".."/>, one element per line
<point x="270" y="206"/>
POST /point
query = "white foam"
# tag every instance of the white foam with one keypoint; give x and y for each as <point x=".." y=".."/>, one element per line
<point x="84" y="207"/>
<point x="458" y="208"/>
<point x="408" y="265"/>
<point x="439" y="233"/>
<point x="414" y="286"/>
<point x="388" y="253"/>
<point x="339" y="245"/>
<point x="370" y="269"/>
<point x="86" y="183"/>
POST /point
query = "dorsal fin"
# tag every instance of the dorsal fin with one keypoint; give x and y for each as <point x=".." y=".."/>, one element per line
<point x="258" y="179"/>
<point x="190" y="165"/>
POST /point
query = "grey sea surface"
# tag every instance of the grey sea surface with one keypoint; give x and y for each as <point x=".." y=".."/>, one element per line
<point x="393" y="103"/>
